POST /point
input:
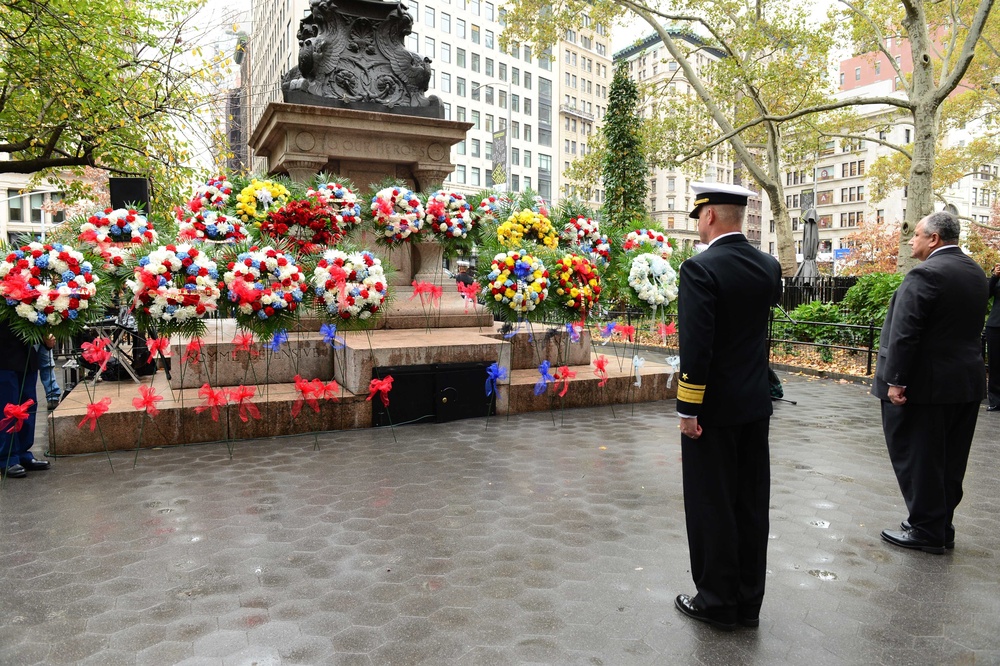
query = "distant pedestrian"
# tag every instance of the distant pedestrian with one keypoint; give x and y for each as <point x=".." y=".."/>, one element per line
<point x="993" y="342"/>
<point x="463" y="273"/>
<point x="930" y="378"/>
<point x="724" y="405"/>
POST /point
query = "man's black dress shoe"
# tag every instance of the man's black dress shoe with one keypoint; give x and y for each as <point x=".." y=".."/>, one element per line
<point x="949" y="544"/>
<point x="35" y="465"/>
<point x="686" y="605"/>
<point x="993" y="408"/>
<point x="911" y="539"/>
<point x="14" y="472"/>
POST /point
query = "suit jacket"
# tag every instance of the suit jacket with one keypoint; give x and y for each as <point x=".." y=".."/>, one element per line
<point x="993" y="321"/>
<point x="931" y="339"/>
<point x="724" y="305"/>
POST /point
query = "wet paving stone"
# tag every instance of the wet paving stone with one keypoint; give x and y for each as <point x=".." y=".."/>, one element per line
<point x="528" y="539"/>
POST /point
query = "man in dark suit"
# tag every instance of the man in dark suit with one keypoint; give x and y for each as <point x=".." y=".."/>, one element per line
<point x="18" y="379"/>
<point x="993" y="342"/>
<point x="931" y="378"/>
<point x="724" y="404"/>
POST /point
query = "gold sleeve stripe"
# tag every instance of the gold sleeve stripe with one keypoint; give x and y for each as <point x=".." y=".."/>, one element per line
<point x="693" y="387"/>
<point x="689" y="393"/>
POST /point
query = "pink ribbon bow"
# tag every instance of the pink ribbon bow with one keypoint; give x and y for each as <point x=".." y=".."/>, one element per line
<point x="601" y="369"/>
<point x="214" y="399"/>
<point x="95" y="410"/>
<point x="382" y="387"/>
<point x="563" y="374"/>
<point x="147" y="400"/>
<point x="157" y="345"/>
<point x="15" y="416"/>
<point x="242" y="396"/>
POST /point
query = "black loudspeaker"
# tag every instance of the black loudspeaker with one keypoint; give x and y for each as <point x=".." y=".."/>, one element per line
<point x="126" y="191"/>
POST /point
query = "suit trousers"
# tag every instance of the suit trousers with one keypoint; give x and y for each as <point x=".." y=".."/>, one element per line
<point x="929" y="449"/>
<point x="727" y="488"/>
<point x="993" y="353"/>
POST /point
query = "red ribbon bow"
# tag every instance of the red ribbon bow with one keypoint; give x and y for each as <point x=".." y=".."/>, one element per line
<point x="242" y="396"/>
<point x="307" y="395"/>
<point x="244" y="342"/>
<point x="157" y="345"/>
<point x="16" y="415"/>
<point x="147" y="400"/>
<point x="627" y="331"/>
<point x="330" y="390"/>
<point x="381" y="386"/>
<point x="95" y="410"/>
<point x="601" y="369"/>
<point x="435" y="296"/>
<point x="192" y="353"/>
<point x="469" y="291"/>
<point x="214" y="399"/>
<point x="666" y="329"/>
<point x="96" y="352"/>
<point x="563" y="374"/>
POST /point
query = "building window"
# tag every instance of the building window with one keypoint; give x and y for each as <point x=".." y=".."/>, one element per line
<point x="475" y="33"/>
<point x="857" y="73"/>
<point x="460" y="147"/>
<point x="475" y="147"/>
<point x="429" y="17"/>
<point x="475" y="64"/>
<point x="475" y="176"/>
<point x="14" y="206"/>
<point x="445" y="82"/>
<point x="527" y="164"/>
<point x="488" y="39"/>
<point x="460" y="88"/>
<point x="459" y="173"/>
<point x="37" y="200"/>
<point x="460" y="57"/>
<point x="515" y="156"/>
<point x="475" y="119"/>
<point x="460" y="28"/>
<point x="445" y="52"/>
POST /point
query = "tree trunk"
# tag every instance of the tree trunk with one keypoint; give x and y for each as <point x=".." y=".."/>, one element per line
<point x="783" y="230"/>
<point x="920" y="189"/>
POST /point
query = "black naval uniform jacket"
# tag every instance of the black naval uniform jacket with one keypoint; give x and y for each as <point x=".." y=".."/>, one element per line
<point x="724" y="303"/>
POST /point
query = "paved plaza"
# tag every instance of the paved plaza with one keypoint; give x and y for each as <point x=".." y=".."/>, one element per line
<point x="545" y="538"/>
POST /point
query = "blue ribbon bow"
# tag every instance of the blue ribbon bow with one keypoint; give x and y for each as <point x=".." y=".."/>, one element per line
<point x="279" y="338"/>
<point x="543" y="384"/>
<point x="330" y="336"/>
<point x="494" y="373"/>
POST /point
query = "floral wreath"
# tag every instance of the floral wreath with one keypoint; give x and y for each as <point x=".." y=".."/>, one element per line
<point x="398" y="214"/>
<point x="653" y="279"/>
<point x="119" y="225"/>
<point x="174" y="287"/>
<point x="253" y="202"/>
<point x="449" y="215"/>
<point x="578" y="284"/>
<point x="47" y="286"/>
<point x="586" y="234"/>
<point x="211" y="226"/>
<point x="308" y="224"/>
<point x="489" y="207"/>
<point x="264" y="287"/>
<point x="341" y="199"/>
<point x="349" y="286"/>
<point x="634" y="239"/>
<point x="527" y="225"/>
<point x="518" y="281"/>
<point x="213" y="194"/>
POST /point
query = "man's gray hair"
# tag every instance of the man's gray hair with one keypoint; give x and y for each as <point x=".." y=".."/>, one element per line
<point x="944" y="224"/>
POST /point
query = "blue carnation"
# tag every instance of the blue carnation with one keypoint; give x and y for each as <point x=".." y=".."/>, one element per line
<point x="68" y="275"/>
<point x="144" y="261"/>
<point x="192" y="270"/>
<point x="42" y="261"/>
<point x="170" y="309"/>
<point x="72" y="314"/>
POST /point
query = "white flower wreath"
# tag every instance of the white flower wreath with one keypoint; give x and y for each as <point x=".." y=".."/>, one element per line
<point x="653" y="279"/>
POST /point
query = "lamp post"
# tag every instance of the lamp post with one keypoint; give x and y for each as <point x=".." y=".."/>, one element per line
<point x="508" y="135"/>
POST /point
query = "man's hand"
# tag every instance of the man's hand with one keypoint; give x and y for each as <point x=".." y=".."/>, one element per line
<point x="49" y="341"/>
<point x="690" y="427"/>
<point x="896" y="396"/>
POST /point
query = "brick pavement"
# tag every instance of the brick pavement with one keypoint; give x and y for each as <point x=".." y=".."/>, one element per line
<point x="546" y="538"/>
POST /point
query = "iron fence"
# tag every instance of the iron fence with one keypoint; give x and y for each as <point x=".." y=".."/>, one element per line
<point x="826" y="288"/>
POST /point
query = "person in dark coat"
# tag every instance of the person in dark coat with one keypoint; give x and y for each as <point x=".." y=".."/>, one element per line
<point x="931" y="378"/>
<point x="18" y="380"/>
<point x="724" y="403"/>
<point x="463" y="275"/>
<point x="993" y="342"/>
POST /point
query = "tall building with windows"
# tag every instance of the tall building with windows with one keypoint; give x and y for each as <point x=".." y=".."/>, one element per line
<point x="652" y="67"/>
<point x="552" y="102"/>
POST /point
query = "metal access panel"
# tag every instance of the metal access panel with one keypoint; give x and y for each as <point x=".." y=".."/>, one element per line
<point x="433" y="394"/>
